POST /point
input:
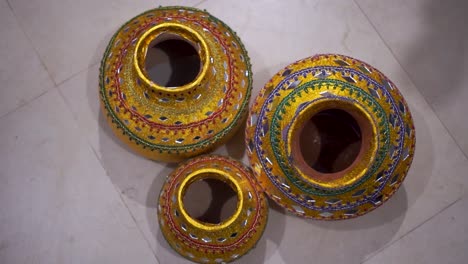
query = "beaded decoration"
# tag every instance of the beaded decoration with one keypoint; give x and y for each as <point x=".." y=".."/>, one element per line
<point x="174" y="123"/>
<point x="206" y="242"/>
<point x="287" y="103"/>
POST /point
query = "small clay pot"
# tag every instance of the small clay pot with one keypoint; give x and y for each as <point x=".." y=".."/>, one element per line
<point x="205" y="242"/>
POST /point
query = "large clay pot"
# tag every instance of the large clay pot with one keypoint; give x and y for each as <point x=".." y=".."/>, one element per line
<point x="330" y="137"/>
<point x="177" y="115"/>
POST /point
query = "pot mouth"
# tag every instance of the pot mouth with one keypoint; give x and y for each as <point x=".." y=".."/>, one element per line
<point x="212" y="174"/>
<point x="189" y="51"/>
<point x="332" y="143"/>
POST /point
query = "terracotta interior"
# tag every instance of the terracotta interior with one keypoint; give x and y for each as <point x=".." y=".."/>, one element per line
<point x="331" y="143"/>
<point x="172" y="61"/>
<point x="210" y="200"/>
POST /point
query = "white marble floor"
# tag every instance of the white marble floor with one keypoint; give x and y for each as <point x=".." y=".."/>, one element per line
<point x="71" y="193"/>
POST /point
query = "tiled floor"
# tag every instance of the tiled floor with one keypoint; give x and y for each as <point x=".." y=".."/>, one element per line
<point x="71" y="193"/>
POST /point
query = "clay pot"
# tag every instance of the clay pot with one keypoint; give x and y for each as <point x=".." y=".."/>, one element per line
<point x="204" y="242"/>
<point x="187" y="109"/>
<point x="330" y="137"/>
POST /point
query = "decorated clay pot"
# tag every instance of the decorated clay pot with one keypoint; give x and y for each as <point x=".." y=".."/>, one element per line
<point x="330" y="137"/>
<point x="174" y="115"/>
<point x="205" y="242"/>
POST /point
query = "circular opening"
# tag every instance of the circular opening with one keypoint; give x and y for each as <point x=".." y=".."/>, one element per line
<point x="172" y="61"/>
<point x="330" y="141"/>
<point x="210" y="200"/>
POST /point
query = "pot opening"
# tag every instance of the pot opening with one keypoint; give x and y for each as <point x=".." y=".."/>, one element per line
<point x="331" y="141"/>
<point x="210" y="200"/>
<point x="172" y="61"/>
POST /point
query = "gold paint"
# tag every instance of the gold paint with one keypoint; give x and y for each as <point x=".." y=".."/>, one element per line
<point x="183" y="32"/>
<point x="175" y="123"/>
<point x="360" y="166"/>
<point x="228" y="240"/>
<point x="213" y="174"/>
<point x="366" y="113"/>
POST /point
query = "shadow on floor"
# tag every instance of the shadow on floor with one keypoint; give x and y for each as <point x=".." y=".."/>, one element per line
<point x="438" y="61"/>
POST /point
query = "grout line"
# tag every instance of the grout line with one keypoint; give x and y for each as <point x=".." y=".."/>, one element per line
<point x="449" y="132"/>
<point x="413" y="229"/>
<point x="31" y="43"/>
<point x="438" y="118"/>
<point x="68" y="105"/>
<point x="119" y="194"/>
<point x="199" y="3"/>
<point x="126" y="205"/>
<point x="97" y="156"/>
<point x="89" y="65"/>
<point x="54" y="82"/>
<point x="48" y="89"/>
<point x="411" y="79"/>
<point x="55" y="86"/>
<point x="26" y="103"/>
<point x="78" y="73"/>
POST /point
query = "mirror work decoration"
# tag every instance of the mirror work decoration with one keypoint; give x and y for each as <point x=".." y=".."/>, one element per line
<point x="207" y="242"/>
<point x="175" y="121"/>
<point x="330" y="137"/>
